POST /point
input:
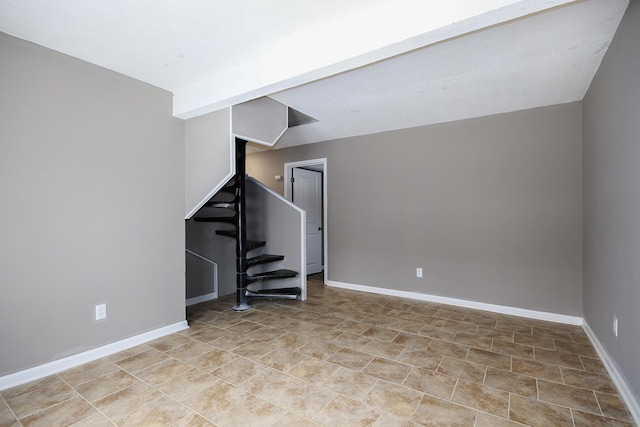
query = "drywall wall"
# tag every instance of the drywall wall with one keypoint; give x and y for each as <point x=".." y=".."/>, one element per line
<point x="209" y="157"/>
<point x="612" y="199"/>
<point x="490" y="208"/>
<point x="92" y="191"/>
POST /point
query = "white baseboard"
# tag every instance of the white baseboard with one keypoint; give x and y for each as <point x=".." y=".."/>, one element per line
<point x="60" y="365"/>
<point x="612" y="367"/>
<point x="202" y="298"/>
<point x="502" y="309"/>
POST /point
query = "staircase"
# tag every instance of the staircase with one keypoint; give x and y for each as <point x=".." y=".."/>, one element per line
<point x="229" y="205"/>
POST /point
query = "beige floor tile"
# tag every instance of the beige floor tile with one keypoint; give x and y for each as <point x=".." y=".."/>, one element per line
<point x="230" y="342"/>
<point x="208" y="335"/>
<point x="194" y="420"/>
<point x="387" y="370"/>
<point x="472" y="340"/>
<point x="389" y="420"/>
<point x="244" y="327"/>
<point x="431" y="382"/>
<point x="437" y="332"/>
<point x="436" y="412"/>
<point x="161" y="412"/>
<point x="319" y="349"/>
<point x="583" y="419"/>
<point x="282" y="359"/>
<point x="268" y="383"/>
<point x="489" y="358"/>
<point x="187" y="384"/>
<point x="254" y="350"/>
<point x="169" y="342"/>
<point x="118" y="405"/>
<point x="295" y="363"/>
<point x="313" y="370"/>
<point x="216" y="399"/>
<point x="352" y="326"/>
<point x="538" y="414"/>
<point x="87" y="372"/>
<point x="343" y="411"/>
<point x="593" y="365"/>
<point x="530" y="340"/>
<point x="380" y="333"/>
<point x="351" y="341"/>
<point x="14" y="392"/>
<point x="613" y="407"/>
<point x="457" y="368"/>
<point x="488" y="420"/>
<point x="573" y="397"/>
<point x="105" y="385"/>
<point x="39" y="399"/>
<point x="237" y="371"/>
<point x="163" y="371"/>
<point x="351" y="358"/>
<point x="420" y="358"/>
<point x="412" y="340"/>
<point x="189" y="350"/>
<point x="96" y="420"/>
<point x="398" y="400"/>
<point x="511" y="382"/>
<point x="589" y="380"/>
<point x="266" y="333"/>
<point x="7" y="419"/>
<point x="518" y="350"/>
<point x="212" y="360"/>
<point x="486" y="399"/>
<point x="291" y="341"/>
<point x="445" y="348"/>
<point x="350" y="383"/>
<point x="505" y="336"/>
<point x="383" y="349"/>
<point x="64" y="413"/>
<point x="534" y="369"/>
<point x="304" y="399"/>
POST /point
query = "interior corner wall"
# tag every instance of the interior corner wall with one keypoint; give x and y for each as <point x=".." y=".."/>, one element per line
<point x="92" y="191"/>
<point x="489" y="208"/>
<point x="611" y="129"/>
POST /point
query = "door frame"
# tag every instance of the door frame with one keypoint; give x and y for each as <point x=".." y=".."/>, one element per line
<point x="288" y="168"/>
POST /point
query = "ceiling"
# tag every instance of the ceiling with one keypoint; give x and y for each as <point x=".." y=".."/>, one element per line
<point x="357" y="66"/>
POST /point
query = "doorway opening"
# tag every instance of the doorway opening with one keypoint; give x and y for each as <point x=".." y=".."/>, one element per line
<point x="306" y="187"/>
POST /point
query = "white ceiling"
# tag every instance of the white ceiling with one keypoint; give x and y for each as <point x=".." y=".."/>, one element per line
<point x="358" y="66"/>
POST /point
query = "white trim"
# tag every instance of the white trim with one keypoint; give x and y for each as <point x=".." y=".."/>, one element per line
<point x="502" y="309"/>
<point x="60" y="365"/>
<point x="201" y="298"/>
<point x="619" y="380"/>
<point x="325" y="203"/>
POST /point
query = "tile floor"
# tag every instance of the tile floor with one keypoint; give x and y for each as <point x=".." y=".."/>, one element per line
<point x="342" y="358"/>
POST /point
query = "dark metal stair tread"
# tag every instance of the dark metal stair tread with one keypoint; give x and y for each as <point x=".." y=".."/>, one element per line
<point x="288" y="291"/>
<point x="275" y="274"/>
<point x="263" y="259"/>
<point x="220" y="204"/>
<point x="227" y="219"/>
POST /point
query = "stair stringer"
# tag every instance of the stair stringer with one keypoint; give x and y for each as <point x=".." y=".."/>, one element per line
<point x="210" y="145"/>
<point x="282" y="224"/>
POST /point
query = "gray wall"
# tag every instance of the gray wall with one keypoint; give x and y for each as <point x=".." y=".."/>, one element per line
<point x="490" y="208"/>
<point x="92" y="193"/>
<point x="611" y="127"/>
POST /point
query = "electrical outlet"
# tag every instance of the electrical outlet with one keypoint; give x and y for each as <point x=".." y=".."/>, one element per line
<point x="418" y="272"/>
<point x="101" y="311"/>
<point x="615" y="325"/>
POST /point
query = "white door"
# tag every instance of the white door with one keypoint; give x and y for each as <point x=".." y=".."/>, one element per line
<point x="307" y="195"/>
